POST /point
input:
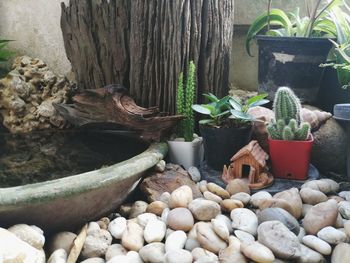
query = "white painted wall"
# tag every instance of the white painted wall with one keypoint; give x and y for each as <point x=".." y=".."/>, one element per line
<point x="35" y="27"/>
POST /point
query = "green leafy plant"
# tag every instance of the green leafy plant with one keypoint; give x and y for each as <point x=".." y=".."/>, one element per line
<point x="5" y="55"/>
<point x="288" y="125"/>
<point x="222" y="111"/>
<point x="185" y="96"/>
<point x="341" y="53"/>
<point x="275" y="22"/>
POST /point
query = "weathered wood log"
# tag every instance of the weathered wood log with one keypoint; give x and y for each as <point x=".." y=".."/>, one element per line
<point x="145" y="44"/>
<point x="112" y="105"/>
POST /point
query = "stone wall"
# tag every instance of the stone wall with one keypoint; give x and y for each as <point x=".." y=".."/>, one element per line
<point x="35" y="27"/>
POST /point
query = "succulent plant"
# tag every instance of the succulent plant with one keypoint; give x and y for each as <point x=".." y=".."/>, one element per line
<point x="288" y="125"/>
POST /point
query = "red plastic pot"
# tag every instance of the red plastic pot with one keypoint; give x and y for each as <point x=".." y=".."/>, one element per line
<point x="290" y="159"/>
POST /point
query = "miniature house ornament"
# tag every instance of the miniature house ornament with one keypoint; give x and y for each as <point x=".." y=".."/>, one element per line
<point x="250" y="162"/>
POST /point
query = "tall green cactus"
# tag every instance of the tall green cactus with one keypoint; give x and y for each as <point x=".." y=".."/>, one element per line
<point x="184" y="99"/>
<point x="287" y="109"/>
<point x="286" y="106"/>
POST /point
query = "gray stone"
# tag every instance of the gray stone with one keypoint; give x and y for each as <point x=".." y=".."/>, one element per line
<point x="341" y="253"/>
<point x="59" y="256"/>
<point x="277" y="237"/>
<point x="194" y="173"/>
<point x="96" y="244"/>
<point x="310" y="256"/>
<point x="279" y="214"/>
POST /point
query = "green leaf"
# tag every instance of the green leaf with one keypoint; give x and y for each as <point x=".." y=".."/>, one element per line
<point x="277" y="17"/>
<point x="211" y="97"/>
<point x="201" y="109"/>
<point x="256" y="98"/>
<point x="235" y="104"/>
<point x="240" y="115"/>
<point x="223" y="103"/>
<point x="259" y="103"/>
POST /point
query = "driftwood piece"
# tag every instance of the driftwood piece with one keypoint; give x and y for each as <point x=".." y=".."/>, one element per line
<point x="145" y="44"/>
<point x="112" y="105"/>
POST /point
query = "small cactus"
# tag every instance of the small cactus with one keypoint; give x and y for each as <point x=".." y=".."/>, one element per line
<point x="286" y="106"/>
<point x="185" y="97"/>
<point x="287" y="109"/>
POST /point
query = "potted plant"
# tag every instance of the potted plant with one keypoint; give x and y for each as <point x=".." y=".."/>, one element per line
<point x="334" y="89"/>
<point x="290" y="140"/>
<point x="227" y="128"/>
<point x="186" y="149"/>
<point x="291" y="48"/>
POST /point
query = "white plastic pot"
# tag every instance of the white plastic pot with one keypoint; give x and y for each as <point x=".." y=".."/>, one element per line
<point x="186" y="154"/>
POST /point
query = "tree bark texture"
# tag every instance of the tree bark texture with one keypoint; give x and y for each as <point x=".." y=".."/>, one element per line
<point x="145" y="44"/>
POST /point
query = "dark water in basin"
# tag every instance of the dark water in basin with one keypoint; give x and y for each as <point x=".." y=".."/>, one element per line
<point x="43" y="156"/>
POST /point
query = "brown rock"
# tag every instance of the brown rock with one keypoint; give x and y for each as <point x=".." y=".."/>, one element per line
<point x="237" y="186"/>
<point x="180" y="219"/>
<point x="292" y="196"/>
<point x="215" y="189"/>
<point x="228" y="205"/>
<point x="312" y="197"/>
<point x="319" y="216"/>
<point x="172" y="178"/>
<point x="276" y="202"/>
<point x="156" y="207"/>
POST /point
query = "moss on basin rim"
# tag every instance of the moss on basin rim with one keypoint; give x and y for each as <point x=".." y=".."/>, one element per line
<point x="69" y="202"/>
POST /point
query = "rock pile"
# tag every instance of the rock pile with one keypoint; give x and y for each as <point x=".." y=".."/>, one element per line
<point x="226" y="225"/>
<point x="27" y="94"/>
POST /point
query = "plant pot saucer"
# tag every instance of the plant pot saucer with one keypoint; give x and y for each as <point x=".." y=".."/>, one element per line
<point x="278" y="185"/>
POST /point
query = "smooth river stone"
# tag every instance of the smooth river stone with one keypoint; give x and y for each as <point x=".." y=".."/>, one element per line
<point x="180" y="219"/>
<point x="238" y="186"/>
<point x="203" y="186"/>
<point x="178" y="256"/>
<point x="277" y="237"/>
<point x="218" y="190"/>
<point x="326" y="186"/>
<point x="115" y="250"/>
<point x="133" y="257"/>
<point x="144" y="218"/>
<point x="293" y="197"/>
<point x="156" y="207"/>
<point x="276" y="202"/>
<point x="256" y="198"/>
<point x="208" y="239"/>
<point x="257" y="252"/>
<point x="213" y="197"/>
<point x="341" y="253"/>
<point x="347" y="227"/>
<point x="332" y="235"/>
<point x="133" y="237"/>
<point x="319" y="216"/>
<point x="244" y="219"/>
<point x="226" y="220"/>
<point x="13" y="249"/>
<point x="312" y="197"/>
<point x="181" y="197"/>
<point x="310" y="256"/>
<point x="59" y="256"/>
<point x="231" y="254"/>
<point x="228" y="205"/>
<point x="317" y="244"/>
<point x="93" y="260"/>
<point x="305" y="209"/>
<point x="154" y="231"/>
<point x="243" y="197"/>
<point x="175" y="241"/>
<point x="201" y="253"/>
<point x="62" y="240"/>
<point x="244" y="237"/>
<point x="345" y="195"/>
<point x="344" y="209"/>
<point x="279" y="214"/>
<point x="117" y="227"/>
<point x="204" y="210"/>
<point x="29" y="235"/>
<point x="153" y="253"/>
<point x="220" y="229"/>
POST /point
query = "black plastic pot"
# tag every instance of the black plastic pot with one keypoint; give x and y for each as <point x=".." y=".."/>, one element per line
<point x="331" y="92"/>
<point x="292" y="62"/>
<point x="220" y="144"/>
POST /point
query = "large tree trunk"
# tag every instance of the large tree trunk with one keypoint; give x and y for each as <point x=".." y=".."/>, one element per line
<point x="145" y="44"/>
